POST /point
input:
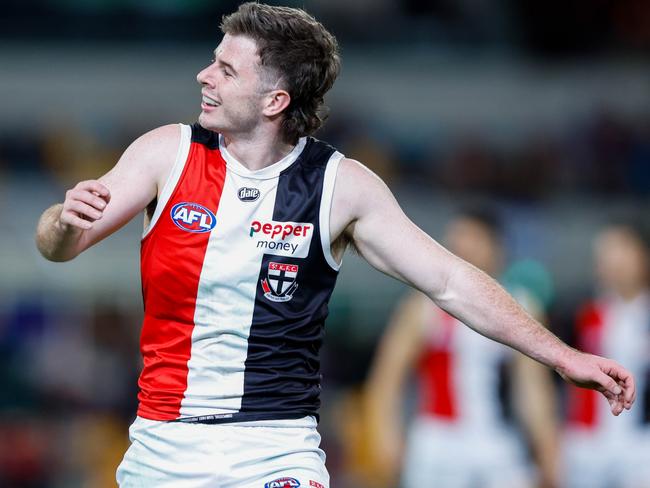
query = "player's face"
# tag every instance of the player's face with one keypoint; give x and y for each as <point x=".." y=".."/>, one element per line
<point x="231" y="87"/>
<point x="473" y="242"/>
<point x="621" y="261"/>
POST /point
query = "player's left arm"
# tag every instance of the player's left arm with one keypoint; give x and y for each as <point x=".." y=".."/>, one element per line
<point x="365" y="213"/>
<point x="535" y="404"/>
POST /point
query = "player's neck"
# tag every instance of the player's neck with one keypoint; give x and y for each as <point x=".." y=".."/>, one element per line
<point x="256" y="151"/>
<point x="630" y="291"/>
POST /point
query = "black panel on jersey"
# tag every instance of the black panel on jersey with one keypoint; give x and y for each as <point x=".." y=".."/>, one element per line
<point x="282" y="375"/>
<point x="208" y="138"/>
<point x="505" y="389"/>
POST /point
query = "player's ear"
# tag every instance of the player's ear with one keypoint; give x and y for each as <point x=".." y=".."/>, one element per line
<point x="275" y="102"/>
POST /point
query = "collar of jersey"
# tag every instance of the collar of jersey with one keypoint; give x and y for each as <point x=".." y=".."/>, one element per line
<point x="266" y="173"/>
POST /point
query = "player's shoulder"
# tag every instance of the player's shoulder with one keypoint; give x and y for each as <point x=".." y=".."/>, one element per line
<point x="356" y="182"/>
<point x="358" y="192"/>
<point x="156" y="148"/>
<point x="151" y="155"/>
<point x="161" y="139"/>
<point x="352" y="168"/>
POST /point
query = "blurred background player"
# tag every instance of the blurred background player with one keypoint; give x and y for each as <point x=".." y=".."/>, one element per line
<point x="461" y="436"/>
<point x="601" y="453"/>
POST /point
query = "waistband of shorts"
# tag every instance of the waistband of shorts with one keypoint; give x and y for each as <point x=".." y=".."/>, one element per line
<point x="247" y="420"/>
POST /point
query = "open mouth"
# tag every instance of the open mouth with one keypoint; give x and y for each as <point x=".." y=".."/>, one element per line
<point x="209" y="101"/>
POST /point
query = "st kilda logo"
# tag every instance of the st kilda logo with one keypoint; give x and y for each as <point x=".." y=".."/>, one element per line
<point x="246" y="194"/>
<point x="280" y="282"/>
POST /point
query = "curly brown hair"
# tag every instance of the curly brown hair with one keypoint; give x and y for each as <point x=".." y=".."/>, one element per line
<point x="297" y="50"/>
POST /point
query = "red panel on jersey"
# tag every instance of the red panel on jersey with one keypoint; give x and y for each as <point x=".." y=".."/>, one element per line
<point x="436" y="375"/>
<point x="582" y="402"/>
<point x="172" y="257"/>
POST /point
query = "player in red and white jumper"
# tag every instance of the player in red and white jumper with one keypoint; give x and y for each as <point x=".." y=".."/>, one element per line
<point x="600" y="452"/>
<point x="234" y="310"/>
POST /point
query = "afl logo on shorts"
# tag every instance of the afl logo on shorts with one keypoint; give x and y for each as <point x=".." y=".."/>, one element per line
<point x="248" y="194"/>
<point x="283" y="483"/>
<point x="193" y="217"/>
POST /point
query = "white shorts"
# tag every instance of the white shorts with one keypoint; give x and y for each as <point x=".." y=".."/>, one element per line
<point x="264" y="454"/>
<point x="600" y="461"/>
<point x="440" y="454"/>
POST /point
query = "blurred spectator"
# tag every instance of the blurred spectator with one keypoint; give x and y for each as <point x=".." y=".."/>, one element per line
<point x="604" y="451"/>
<point x="472" y="165"/>
<point x="461" y="435"/>
<point x="67" y="396"/>
<point x="26" y="452"/>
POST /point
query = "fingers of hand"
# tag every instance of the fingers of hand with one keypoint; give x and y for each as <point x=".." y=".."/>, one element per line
<point x="70" y="218"/>
<point x="96" y="188"/>
<point x="625" y="382"/>
<point x="85" y="211"/>
<point x="89" y="197"/>
<point x="608" y="384"/>
<point x="84" y="204"/>
<point x="628" y="385"/>
<point x="615" y="402"/>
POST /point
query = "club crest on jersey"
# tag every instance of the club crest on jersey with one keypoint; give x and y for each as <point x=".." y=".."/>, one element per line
<point x="283" y="483"/>
<point x="280" y="283"/>
<point x="246" y="194"/>
<point x="193" y="217"/>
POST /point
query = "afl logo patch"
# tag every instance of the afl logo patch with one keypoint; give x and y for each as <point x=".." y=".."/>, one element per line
<point x="283" y="483"/>
<point x="193" y="217"/>
<point x="248" y="194"/>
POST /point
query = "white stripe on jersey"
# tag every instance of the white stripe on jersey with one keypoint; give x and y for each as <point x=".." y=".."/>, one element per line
<point x="476" y="378"/>
<point x="225" y="301"/>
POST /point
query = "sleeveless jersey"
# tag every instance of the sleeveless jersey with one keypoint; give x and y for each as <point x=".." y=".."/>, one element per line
<point x="460" y="374"/>
<point x="618" y="330"/>
<point x="236" y="277"/>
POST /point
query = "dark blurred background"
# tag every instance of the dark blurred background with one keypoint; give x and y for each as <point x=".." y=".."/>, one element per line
<point x="541" y="108"/>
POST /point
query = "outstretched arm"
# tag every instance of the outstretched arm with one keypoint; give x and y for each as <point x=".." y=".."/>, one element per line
<point x="375" y="224"/>
<point x="94" y="209"/>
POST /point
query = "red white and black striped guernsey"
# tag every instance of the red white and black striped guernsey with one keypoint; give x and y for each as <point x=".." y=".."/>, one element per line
<point x="236" y="277"/>
<point x="461" y="375"/>
<point x="618" y="329"/>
